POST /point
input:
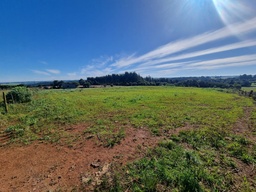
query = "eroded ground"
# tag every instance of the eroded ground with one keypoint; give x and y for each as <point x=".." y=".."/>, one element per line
<point x="49" y="167"/>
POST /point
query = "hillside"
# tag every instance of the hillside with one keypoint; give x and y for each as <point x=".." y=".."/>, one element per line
<point x="129" y="139"/>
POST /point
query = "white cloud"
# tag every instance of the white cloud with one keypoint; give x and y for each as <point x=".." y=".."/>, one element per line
<point x="169" y="58"/>
<point x="185" y="44"/>
<point x="102" y="61"/>
<point x="230" y="47"/>
<point x="53" y="71"/>
<point x="92" y="71"/>
<point x="46" y="72"/>
<point x="40" y="72"/>
<point x="99" y="67"/>
<point x="224" y="62"/>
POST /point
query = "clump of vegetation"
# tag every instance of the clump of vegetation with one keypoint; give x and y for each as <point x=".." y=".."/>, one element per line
<point x="19" y="95"/>
<point x="15" y="131"/>
<point x="107" y="136"/>
<point x="192" y="164"/>
<point x="168" y="167"/>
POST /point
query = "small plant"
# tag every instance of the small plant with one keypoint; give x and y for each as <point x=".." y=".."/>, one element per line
<point x="16" y="131"/>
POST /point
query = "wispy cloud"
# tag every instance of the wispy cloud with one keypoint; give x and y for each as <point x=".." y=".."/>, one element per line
<point x="224" y="62"/>
<point x="40" y="72"/>
<point x="229" y="47"/>
<point x="92" y="71"/>
<point x="47" y="72"/>
<point x="43" y="62"/>
<point x="102" y="61"/>
<point x="171" y="57"/>
<point x="53" y="71"/>
<point x="185" y="44"/>
<point x="98" y="67"/>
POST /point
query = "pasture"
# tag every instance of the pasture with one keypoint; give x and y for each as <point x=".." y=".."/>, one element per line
<point x="205" y="139"/>
<point x="248" y="89"/>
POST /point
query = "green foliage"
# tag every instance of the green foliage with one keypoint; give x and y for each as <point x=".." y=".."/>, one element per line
<point x="169" y="168"/>
<point x="19" y="95"/>
<point x="108" y="136"/>
<point x="118" y="79"/>
<point x="15" y="131"/>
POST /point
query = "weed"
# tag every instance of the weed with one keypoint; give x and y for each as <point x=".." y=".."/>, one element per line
<point x="15" y="131"/>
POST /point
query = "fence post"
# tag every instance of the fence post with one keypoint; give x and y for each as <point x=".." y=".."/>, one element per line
<point x="5" y="103"/>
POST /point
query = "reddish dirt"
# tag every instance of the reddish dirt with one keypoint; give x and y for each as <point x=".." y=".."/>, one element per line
<point x="50" y="167"/>
<point x="244" y="127"/>
<point x="57" y="167"/>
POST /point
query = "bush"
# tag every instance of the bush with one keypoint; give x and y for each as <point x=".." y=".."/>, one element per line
<point x="19" y="95"/>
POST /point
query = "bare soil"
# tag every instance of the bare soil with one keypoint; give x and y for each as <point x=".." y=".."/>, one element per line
<point x="78" y="166"/>
<point x="245" y="173"/>
<point x="55" y="167"/>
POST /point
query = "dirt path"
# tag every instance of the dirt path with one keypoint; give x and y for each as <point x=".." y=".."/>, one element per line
<point x="50" y="167"/>
<point x="244" y="125"/>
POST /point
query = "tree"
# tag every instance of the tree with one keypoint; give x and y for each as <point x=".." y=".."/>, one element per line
<point x="57" y="84"/>
<point x="81" y="82"/>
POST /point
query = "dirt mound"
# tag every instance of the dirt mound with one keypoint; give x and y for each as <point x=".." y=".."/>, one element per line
<point x="50" y="167"/>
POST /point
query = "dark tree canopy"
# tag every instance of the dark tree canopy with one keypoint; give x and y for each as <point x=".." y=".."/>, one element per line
<point x="128" y="78"/>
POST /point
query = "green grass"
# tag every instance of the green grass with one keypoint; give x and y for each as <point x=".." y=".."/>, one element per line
<point x="202" y="158"/>
<point x="156" y="108"/>
<point x="248" y="89"/>
<point x="171" y="167"/>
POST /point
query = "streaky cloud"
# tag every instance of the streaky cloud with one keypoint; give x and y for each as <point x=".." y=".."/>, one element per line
<point x="224" y="62"/>
<point x="169" y="58"/>
<point x="40" y="72"/>
<point x="185" y="44"/>
<point x="230" y="47"/>
<point x="53" y="71"/>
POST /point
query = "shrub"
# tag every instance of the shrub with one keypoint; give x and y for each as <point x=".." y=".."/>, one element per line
<point x="19" y="95"/>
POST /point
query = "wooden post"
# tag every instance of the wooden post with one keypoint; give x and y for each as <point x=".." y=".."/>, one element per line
<point x="5" y="103"/>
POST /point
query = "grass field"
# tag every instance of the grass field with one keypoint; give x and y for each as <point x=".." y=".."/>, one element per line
<point x="248" y="89"/>
<point x="203" y="157"/>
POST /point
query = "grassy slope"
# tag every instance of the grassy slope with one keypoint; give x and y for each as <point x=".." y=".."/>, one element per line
<point x="249" y="88"/>
<point x="202" y="158"/>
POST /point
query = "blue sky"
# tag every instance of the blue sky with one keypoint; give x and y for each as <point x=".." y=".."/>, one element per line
<point x="73" y="39"/>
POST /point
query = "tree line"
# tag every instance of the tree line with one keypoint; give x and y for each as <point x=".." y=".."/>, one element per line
<point x="134" y="79"/>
